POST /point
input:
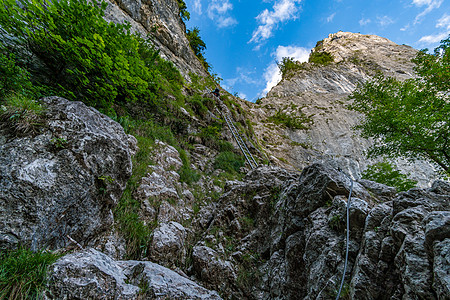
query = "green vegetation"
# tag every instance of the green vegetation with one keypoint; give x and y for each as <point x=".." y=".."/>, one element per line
<point x="66" y="48"/>
<point x="81" y="56"/>
<point x="197" y="45"/>
<point x="292" y="121"/>
<point x="229" y="162"/>
<point x="409" y="118"/>
<point x="184" y="14"/>
<point x="23" y="273"/>
<point x="288" y="67"/>
<point x="383" y="172"/>
<point x="320" y="58"/>
<point x="21" y="115"/>
<point x="13" y="79"/>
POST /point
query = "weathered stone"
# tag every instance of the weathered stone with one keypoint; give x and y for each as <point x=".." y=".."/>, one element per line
<point x="437" y="226"/>
<point x="90" y="274"/>
<point x="64" y="181"/>
<point x="441" y="270"/>
<point x="383" y="192"/>
<point x="168" y="244"/>
<point x="211" y="268"/>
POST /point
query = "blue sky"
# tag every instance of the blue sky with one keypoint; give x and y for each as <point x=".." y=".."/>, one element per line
<point x="245" y="38"/>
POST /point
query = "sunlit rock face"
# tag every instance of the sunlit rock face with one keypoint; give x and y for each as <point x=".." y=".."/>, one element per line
<point x="321" y="92"/>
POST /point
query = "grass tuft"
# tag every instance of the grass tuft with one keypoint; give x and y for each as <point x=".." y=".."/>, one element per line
<point x="23" y="273"/>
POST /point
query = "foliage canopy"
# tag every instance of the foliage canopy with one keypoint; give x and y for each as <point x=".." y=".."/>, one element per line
<point x="288" y="66"/>
<point x="197" y="45"/>
<point x="384" y="172"/>
<point x="409" y="118"/>
<point x="69" y="49"/>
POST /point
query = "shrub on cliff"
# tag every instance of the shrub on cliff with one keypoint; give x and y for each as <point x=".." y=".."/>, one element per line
<point x="288" y="66"/>
<point x="320" y="58"/>
<point x="13" y="79"/>
<point x="197" y="45"/>
<point x="384" y="172"/>
<point x="70" y="50"/>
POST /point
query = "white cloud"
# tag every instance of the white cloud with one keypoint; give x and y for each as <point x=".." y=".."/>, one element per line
<point x="363" y="21"/>
<point x="330" y="18"/>
<point x="431" y="39"/>
<point x="443" y="22"/>
<point x="406" y="27"/>
<point x="197" y="7"/>
<point x="384" y="21"/>
<point x="272" y="74"/>
<point x="243" y="76"/>
<point x="242" y="95"/>
<point x="218" y="11"/>
<point x="430" y="5"/>
<point x="283" y="10"/>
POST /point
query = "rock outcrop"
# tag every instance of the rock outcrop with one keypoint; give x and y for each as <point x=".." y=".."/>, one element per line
<point x="321" y="93"/>
<point x="280" y="235"/>
<point x="90" y="274"/>
<point x="62" y="184"/>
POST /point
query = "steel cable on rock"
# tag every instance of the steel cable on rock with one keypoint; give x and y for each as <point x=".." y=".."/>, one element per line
<point x="348" y="235"/>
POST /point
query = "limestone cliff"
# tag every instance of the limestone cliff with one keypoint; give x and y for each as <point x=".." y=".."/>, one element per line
<point x="321" y="92"/>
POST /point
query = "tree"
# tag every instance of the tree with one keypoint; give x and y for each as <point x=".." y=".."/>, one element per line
<point x="197" y="45"/>
<point x="184" y="14"/>
<point x="409" y="118"/>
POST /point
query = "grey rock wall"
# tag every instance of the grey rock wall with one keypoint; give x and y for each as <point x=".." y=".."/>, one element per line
<point x="65" y="181"/>
<point x="284" y="237"/>
<point x="90" y="274"/>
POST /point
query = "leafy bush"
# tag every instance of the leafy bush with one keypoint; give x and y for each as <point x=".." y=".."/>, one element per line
<point x="196" y="102"/>
<point x="13" y="79"/>
<point x="409" y="118"/>
<point x="197" y="45"/>
<point x="296" y="121"/>
<point x="383" y="172"/>
<point x="78" y="54"/>
<point x="184" y="14"/>
<point x="320" y="58"/>
<point x="229" y="162"/>
<point x="188" y="175"/>
<point x="21" y="115"/>
<point x="23" y="273"/>
<point x="288" y="67"/>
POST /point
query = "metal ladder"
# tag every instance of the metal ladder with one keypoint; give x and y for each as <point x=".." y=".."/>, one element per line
<point x="237" y="137"/>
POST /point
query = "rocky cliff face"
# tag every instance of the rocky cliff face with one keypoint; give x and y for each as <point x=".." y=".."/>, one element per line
<point x="275" y="234"/>
<point x="280" y="235"/>
<point x="321" y="93"/>
<point x="161" y="22"/>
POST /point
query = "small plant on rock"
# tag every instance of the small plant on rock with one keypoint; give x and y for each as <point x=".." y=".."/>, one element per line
<point x="23" y="273"/>
<point x="21" y="114"/>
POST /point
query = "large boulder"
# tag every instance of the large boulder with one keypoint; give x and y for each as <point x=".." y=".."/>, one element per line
<point x="62" y="184"/>
<point x="90" y="274"/>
